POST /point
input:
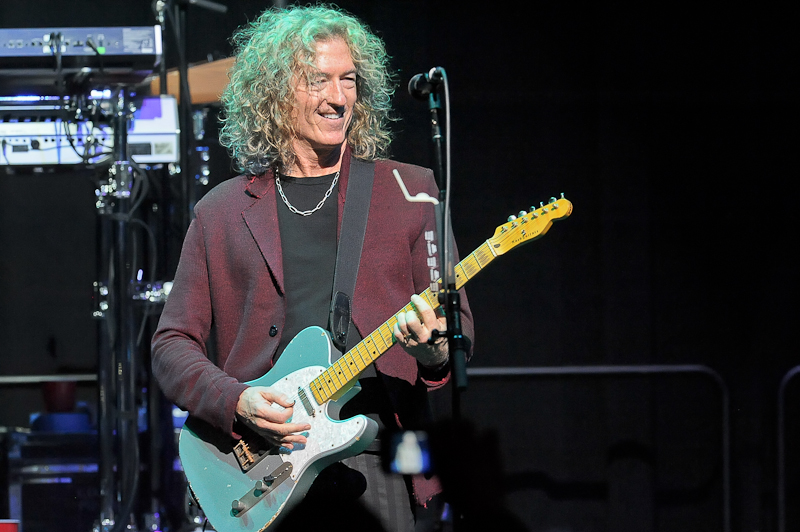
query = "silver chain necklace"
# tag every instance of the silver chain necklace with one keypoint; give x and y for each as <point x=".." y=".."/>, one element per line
<point x="294" y="209"/>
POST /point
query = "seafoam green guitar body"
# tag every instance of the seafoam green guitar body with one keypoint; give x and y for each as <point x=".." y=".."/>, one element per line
<point x="279" y="478"/>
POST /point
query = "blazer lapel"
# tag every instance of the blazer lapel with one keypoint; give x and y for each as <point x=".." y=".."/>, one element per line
<point x="261" y="218"/>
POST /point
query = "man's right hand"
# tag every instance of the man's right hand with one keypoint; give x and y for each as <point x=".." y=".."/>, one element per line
<point x="266" y="412"/>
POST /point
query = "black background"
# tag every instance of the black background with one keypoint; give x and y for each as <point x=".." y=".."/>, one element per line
<point x="673" y="130"/>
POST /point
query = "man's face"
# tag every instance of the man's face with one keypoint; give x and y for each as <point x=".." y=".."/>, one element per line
<point x="323" y="108"/>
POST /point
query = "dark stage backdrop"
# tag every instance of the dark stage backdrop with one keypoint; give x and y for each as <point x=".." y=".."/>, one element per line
<point x="672" y="129"/>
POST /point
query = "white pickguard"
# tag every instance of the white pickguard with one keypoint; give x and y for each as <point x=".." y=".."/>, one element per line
<point x="327" y="435"/>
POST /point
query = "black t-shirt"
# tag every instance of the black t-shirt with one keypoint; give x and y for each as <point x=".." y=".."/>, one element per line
<point x="309" y="247"/>
<point x="309" y="253"/>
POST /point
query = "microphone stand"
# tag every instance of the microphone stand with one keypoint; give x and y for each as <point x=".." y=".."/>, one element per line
<point x="448" y="296"/>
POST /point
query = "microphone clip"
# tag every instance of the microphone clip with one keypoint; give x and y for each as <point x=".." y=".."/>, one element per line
<point x="423" y="85"/>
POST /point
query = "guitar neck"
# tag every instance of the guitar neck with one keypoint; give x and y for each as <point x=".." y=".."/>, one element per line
<point x="343" y="373"/>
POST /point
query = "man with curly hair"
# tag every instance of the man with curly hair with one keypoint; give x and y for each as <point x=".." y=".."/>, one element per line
<point x="308" y="99"/>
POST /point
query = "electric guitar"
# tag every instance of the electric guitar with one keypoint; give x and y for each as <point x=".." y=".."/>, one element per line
<point x="246" y="485"/>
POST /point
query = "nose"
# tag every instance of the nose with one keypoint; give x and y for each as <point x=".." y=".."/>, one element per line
<point x="335" y="95"/>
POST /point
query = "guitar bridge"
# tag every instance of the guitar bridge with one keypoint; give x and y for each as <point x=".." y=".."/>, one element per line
<point x="250" y="450"/>
<point x="243" y="455"/>
<point x="262" y="488"/>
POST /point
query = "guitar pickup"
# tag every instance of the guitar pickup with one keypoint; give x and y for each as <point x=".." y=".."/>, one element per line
<point x="301" y="393"/>
<point x="261" y="489"/>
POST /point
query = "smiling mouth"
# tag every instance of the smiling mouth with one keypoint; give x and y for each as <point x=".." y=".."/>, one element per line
<point x="333" y="116"/>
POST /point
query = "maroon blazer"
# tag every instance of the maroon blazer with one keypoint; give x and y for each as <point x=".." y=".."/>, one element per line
<point x="230" y="281"/>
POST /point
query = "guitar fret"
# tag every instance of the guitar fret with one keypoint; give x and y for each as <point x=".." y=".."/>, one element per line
<point x="380" y="342"/>
<point x="357" y="351"/>
<point x="485" y="253"/>
<point x="461" y="275"/>
<point x="471" y="266"/>
<point x="342" y="371"/>
<point x="324" y="383"/>
<point x="429" y="299"/>
<point x="353" y="364"/>
<point x="364" y="352"/>
<point x="334" y="376"/>
<point x="318" y="395"/>
<point x="386" y="334"/>
<point x="382" y="339"/>
<point x="319" y="390"/>
<point x="369" y="343"/>
<point x="328" y="376"/>
<point x="433" y="299"/>
<point x="352" y="367"/>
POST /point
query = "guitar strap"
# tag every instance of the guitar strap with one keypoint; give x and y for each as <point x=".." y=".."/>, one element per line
<point x="348" y="254"/>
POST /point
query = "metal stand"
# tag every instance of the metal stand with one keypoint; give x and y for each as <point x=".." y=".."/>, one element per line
<point x="117" y="367"/>
<point x="424" y="87"/>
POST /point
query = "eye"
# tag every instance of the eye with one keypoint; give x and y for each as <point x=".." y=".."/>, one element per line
<point x="349" y="81"/>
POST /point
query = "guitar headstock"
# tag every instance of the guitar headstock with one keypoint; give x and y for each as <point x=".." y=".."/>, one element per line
<point x="528" y="226"/>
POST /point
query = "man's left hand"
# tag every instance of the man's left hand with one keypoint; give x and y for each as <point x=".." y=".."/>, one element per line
<point x="413" y="330"/>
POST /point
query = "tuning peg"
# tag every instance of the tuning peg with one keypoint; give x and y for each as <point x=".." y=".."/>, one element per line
<point x="552" y="200"/>
<point x="512" y="218"/>
<point x="522" y="213"/>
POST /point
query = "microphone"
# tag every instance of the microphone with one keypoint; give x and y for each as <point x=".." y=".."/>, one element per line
<point x="421" y="85"/>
